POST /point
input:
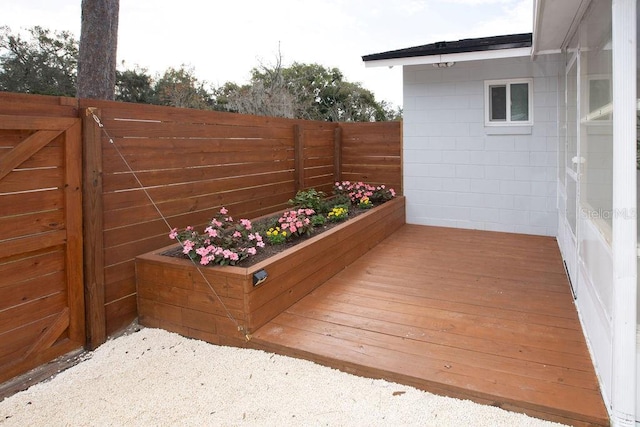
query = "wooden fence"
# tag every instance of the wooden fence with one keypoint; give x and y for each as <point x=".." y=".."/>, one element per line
<point x="148" y="169"/>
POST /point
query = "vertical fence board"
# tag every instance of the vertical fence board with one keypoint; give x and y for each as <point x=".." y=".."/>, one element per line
<point x="93" y="229"/>
<point x="298" y="144"/>
<point x="337" y="154"/>
<point x="74" y="220"/>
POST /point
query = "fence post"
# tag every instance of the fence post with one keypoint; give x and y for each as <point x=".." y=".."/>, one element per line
<point x="298" y="150"/>
<point x="93" y="228"/>
<point x="337" y="154"/>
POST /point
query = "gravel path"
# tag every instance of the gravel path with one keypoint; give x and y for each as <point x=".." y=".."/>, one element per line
<point x="156" y="378"/>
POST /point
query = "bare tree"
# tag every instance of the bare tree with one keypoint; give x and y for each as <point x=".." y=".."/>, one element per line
<point x="268" y="94"/>
<point x="98" y="47"/>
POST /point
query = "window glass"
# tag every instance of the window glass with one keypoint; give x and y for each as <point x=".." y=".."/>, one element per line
<point x="520" y="102"/>
<point x="596" y="113"/>
<point x="599" y="98"/>
<point x="498" y="103"/>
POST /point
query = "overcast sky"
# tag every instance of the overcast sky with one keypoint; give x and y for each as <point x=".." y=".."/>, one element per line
<point x="223" y="40"/>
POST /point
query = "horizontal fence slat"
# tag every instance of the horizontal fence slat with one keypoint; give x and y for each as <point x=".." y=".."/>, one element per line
<point x="31" y="224"/>
<point x="29" y="267"/>
<point x="37" y="201"/>
<point x="30" y="290"/>
<point x="16" y="316"/>
<point x="131" y="129"/>
<point x="32" y="243"/>
<point x="49" y="156"/>
<point x="35" y="122"/>
<point x="31" y="180"/>
<point x="203" y="170"/>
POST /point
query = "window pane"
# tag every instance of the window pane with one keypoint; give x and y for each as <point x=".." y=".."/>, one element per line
<point x="599" y="98"/>
<point x="596" y="128"/>
<point x="498" y="100"/>
<point x="520" y="102"/>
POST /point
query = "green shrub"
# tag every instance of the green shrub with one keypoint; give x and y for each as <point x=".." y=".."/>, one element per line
<point x="308" y="199"/>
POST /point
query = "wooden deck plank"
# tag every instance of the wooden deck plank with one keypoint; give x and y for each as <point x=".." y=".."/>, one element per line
<point x="426" y="328"/>
<point x="467" y="375"/>
<point x="480" y="315"/>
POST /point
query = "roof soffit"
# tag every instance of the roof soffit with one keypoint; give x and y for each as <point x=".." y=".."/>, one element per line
<point x="555" y="22"/>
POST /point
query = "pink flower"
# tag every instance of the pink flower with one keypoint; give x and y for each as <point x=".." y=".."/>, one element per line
<point x="299" y="224"/>
<point x="237" y="234"/>
<point x="187" y="246"/>
<point x="292" y="228"/>
<point x="246" y="223"/>
<point x="260" y="244"/>
<point x="251" y="251"/>
<point x="205" y="260"/>
<point x="223" y="211"/>
<point x="173" y="234"/>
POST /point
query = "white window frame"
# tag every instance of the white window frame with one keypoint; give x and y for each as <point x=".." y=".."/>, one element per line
<point x="507" y="83"/>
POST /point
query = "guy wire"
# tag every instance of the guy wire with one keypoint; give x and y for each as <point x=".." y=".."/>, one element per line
<point x="135" y="176"/>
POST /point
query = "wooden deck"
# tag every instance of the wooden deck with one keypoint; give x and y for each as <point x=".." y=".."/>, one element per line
<point x="470" y="314"/>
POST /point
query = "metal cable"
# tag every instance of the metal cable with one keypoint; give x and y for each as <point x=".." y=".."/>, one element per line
<point x="111" y="141"/>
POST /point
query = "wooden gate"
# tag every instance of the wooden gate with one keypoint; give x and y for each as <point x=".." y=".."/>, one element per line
<point x="41" y="283"/>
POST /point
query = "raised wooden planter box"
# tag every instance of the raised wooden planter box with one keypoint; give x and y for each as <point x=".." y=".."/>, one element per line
<point x="173" y="295"/>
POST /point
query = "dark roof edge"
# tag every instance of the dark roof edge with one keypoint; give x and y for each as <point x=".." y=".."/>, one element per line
<point x="510" y="41"/>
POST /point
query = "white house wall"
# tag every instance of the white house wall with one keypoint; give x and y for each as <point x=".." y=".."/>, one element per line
<point x="460" y="173"/>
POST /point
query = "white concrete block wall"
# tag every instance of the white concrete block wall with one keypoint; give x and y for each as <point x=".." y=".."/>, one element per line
<point x="459" y="173"/>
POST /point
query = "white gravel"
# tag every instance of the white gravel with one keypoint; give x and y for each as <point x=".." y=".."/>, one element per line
<point x="157" y="378"/>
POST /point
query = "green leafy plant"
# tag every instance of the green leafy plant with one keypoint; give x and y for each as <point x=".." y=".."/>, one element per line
<point x="338" y="213"/>
<point x="222" y="243"/>
<point x="339" y="199"/>
<point x="318" y="220"/>
<point x="276" y="236"/>
<point x="308" y="199"/>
